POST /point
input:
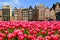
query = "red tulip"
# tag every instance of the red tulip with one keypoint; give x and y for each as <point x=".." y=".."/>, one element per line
<point x="6" y="32"/>
<point x="25" y="35"/>
<point x="52" y="32"/>
<point x="10" y="36"/>
<point x="22" y="30"/>
<point x="40" y="38"/>
<point x="1" y="38"/>
<point x="43" y="32"/>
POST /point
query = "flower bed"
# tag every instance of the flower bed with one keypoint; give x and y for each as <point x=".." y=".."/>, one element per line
<point x="30" y="30"/>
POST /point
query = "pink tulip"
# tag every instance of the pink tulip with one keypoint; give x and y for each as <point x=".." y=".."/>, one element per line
<point x="43" y="32"/>
<point x="10" y="36"/>
<point x="40" y="38"/>
<point x="25" y="35"/>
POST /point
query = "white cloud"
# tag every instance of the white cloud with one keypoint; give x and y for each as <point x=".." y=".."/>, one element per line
<point x="11" y="3"/>
<point x="6" y="3"/>
<point x="16" y="1"/>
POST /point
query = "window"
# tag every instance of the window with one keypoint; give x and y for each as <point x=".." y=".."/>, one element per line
<point x="0" y="16"/>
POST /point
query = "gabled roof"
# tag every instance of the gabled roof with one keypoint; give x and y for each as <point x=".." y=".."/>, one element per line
<point x="15" y="8"/>
<point x="54" y="5"/>
<point x="30" y="7"/>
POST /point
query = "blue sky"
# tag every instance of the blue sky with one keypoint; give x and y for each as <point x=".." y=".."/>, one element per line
<point x="27" y="3"/>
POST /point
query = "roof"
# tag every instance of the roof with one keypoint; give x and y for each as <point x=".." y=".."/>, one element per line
<point x="30" y="7"/>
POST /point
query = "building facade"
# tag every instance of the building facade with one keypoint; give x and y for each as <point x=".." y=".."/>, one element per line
<point x="57" y="10"/>
<point x="6" y="13"/>
<point x="53" y="14"/>
<point x="58" y="16"/>
<point x="15" y="14"/>
<point x="38" y="13"/>
<point x="20" y="16"/>
<point x="47" y="13"/>
<point x="30" y="13"/>
<point x="0" y="15"/>
<point x="41" y="12"/>
<point x="35" y="15"/>
<point x="25" y="14"/>
<point x="57" y="7"/>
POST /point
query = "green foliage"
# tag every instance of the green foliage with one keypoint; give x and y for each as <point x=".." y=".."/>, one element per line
<point x="26" y="31"/>
<point x="56" y="32"/>
<point x="2" y="31"/>
<point x="16" y="38"/>
<point x="11" y="30"/>
<point x="25" y="39"/>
